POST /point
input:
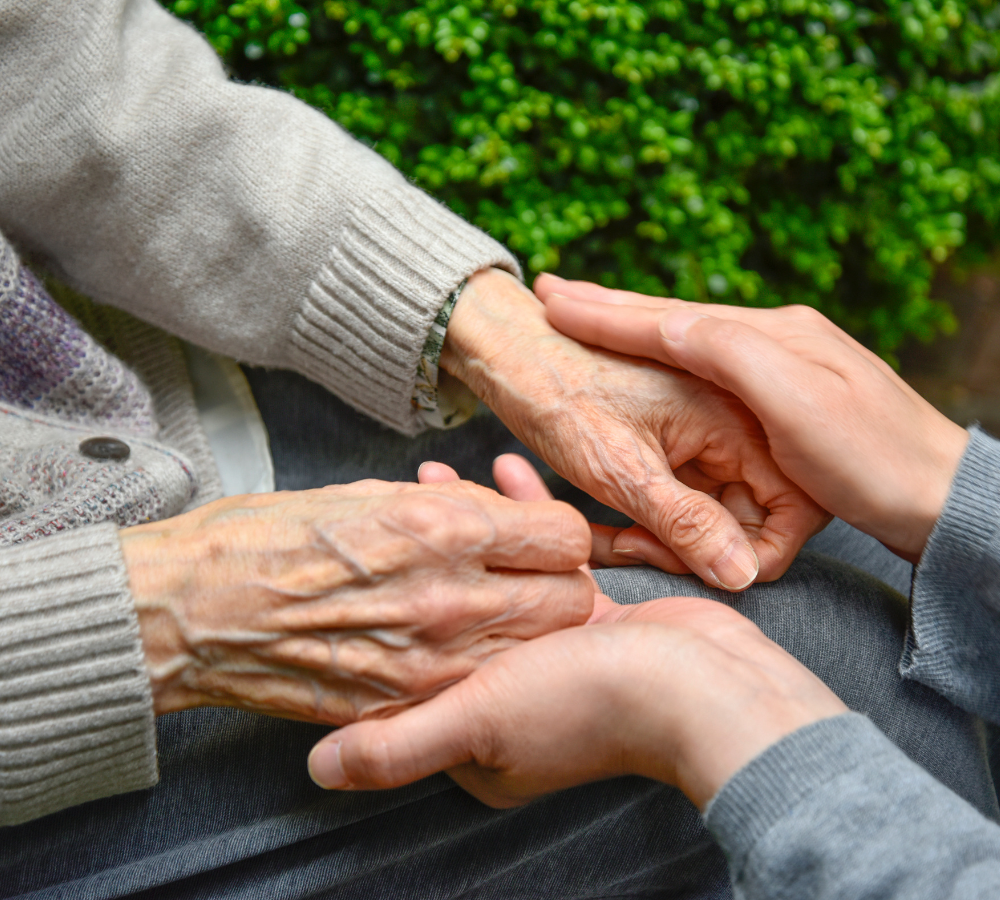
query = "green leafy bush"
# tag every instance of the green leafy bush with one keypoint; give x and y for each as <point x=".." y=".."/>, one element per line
<point x="749" y="151"/>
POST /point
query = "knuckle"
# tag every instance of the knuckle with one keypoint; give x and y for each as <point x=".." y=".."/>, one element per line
<point x="805" y="315"/>
<point x="570" y="529"/>
<point x="443" y="524"/>
<point x="689" y="520"/>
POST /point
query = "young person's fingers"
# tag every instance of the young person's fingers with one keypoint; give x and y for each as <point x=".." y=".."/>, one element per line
<point x="759" y="370"/>
<point x="633" y="330"/>
<point x="781" y="323"/>
<point x="547" y="284"/>
<point x="637" y="545"/>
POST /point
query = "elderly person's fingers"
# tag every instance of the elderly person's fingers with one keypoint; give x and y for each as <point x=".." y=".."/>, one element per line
<point x="518" y="479"/>
<point x="840" y="423"/>
<point x="431" y="472"/>
<point x="616" y="426"/>
<point x="702" y="533"/>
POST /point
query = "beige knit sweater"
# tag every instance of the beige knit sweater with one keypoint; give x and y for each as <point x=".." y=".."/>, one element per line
<point x="233" y="216"/>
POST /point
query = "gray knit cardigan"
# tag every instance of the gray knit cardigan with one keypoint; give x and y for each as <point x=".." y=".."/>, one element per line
<point x="231" y="215"/>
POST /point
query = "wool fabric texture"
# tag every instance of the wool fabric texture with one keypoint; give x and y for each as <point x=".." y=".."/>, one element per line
<point x="233" y="216"/>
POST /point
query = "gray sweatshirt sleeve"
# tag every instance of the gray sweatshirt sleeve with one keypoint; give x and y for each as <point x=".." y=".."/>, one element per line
<point x="953" y="643"/>
<point x="232" y="215"/>
<point x="835" y="811"/>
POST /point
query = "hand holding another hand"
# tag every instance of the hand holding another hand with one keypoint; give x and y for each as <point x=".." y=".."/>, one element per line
<point x="839" y="422"/>
<point x="682" y="689"/>
<point x="687" y="461"/>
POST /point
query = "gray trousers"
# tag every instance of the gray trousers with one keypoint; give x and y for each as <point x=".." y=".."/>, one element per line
<point x="235" y="814"/>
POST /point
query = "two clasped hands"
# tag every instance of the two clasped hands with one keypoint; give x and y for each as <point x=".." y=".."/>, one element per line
<point x="459" y="625"/>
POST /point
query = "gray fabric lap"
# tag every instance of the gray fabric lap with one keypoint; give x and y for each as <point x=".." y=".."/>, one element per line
<point x="846" y="543"/>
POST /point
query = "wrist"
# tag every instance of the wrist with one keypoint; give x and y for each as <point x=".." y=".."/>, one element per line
<point x="911" y="524"/>
<point x="710" y="756"/>
<point x="156" y="577"/>
<point x="492" y="316"/>
<point x="738" y="694"/>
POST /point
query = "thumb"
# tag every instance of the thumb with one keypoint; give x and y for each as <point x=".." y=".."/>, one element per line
<point x="387" y="753"/>
<point x="703" y="534"/>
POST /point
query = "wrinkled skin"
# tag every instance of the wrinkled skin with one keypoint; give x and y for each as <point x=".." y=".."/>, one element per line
<point x="686" y="460"/>
<point x="839" y="421"/>
<point x="348" y="602"/>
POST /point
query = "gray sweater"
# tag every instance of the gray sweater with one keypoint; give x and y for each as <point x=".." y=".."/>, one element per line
<point x="230" y="215"/>
<point x="836" y="810"/>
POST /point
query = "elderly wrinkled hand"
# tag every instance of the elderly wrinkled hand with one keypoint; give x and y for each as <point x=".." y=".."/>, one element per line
<point x="839" y="421"/>
<point x="686" y="460"/>
<point x="351" y="601"/>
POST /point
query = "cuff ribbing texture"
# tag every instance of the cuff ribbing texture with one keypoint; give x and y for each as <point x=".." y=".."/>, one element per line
<point x="76" y="712"/>
<point x="369" y="310"/>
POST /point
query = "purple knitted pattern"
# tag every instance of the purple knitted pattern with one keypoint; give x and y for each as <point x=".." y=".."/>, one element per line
<point x="40" y="344"/>
<point x="50" y="365"/>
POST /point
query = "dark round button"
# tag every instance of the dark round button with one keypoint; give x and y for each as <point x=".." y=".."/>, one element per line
<point x="105" y="448"/>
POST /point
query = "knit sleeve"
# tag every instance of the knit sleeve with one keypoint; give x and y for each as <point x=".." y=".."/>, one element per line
<point x="232" y="215"/>
<point x="953" y="643"/>
<point x="76" y="710"/>
<point x="836" y="811"/>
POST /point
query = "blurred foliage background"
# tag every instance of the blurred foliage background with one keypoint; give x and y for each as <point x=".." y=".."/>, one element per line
<point x="760" y="152"/>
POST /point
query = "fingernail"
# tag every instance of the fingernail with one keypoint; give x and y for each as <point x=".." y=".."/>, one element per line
<point x="631" y="554"/>
<point x="674" y="325"/>
<point x="738" y="568"/>
<point x="325" y="768"/>
<point x="551" y="275"/>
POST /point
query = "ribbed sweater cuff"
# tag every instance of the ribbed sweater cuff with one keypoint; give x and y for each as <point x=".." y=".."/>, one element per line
<point x="773" y="784"/>
<point x="76" y="712"/>
<point x="951" y="643"/>
<point x="361" y="330"/>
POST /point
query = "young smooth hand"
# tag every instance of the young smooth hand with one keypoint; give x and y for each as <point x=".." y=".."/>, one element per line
<point x="839" y="421"/>
<point x="687" y="461"/>
<point x="682" y="689"/>
<point x="351" y="601"/>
